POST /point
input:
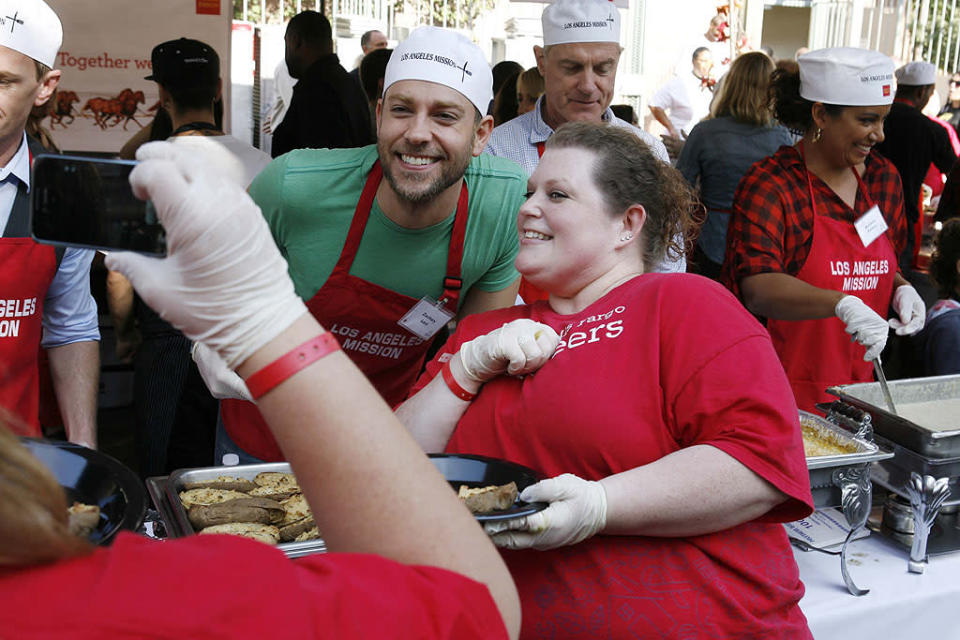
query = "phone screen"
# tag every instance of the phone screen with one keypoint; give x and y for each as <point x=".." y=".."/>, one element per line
<point x="88" y="202"/>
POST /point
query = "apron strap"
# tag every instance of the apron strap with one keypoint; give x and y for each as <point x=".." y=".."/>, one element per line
<point x="452" y="282"/>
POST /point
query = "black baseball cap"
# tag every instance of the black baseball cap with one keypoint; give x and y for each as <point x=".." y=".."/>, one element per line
<point x="184" y="63"/>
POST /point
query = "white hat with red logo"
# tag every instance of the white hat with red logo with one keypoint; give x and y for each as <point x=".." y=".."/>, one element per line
<point x="847" y="76"/>
<point x="567" y="21"/>
<point x="32" y="28"/>
<point x="444" y="57"/>
<point x="917" y="74"/>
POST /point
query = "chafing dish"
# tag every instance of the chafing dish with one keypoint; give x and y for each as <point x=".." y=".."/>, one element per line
<point x="927" y="440"/>
<point x="165" y="492"/>
<point x="843" y="479"/>
<point x="925" y="469"/>
<point x="829" y="473"/>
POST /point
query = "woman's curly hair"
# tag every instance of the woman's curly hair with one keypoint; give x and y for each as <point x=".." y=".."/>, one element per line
<point x="789" y="107"/>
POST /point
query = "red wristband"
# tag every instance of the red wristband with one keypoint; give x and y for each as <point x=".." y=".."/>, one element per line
<point x="453" y="385"/>
<point x="290" y="363"/>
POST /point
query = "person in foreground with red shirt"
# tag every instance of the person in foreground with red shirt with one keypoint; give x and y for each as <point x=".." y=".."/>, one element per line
<point x="670" y="461"/>
<point x="368" y="484"/>
<point x="815" y="229"/>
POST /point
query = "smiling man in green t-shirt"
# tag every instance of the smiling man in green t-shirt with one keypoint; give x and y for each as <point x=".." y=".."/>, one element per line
<point x="419" y="226"/>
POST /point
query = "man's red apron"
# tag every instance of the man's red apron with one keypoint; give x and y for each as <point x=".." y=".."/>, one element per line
<point x="364" y="318"/>
<point x="26" y="270"/>
<point x="817" y="354"/>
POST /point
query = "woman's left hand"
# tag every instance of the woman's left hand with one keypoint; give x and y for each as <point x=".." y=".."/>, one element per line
<point x="578" y="510"/>
<point x="909" y="306"/>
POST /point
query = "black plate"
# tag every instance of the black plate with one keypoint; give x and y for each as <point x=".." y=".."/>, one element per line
<point x="479" y="471"/>
<point x="93" y="477"/>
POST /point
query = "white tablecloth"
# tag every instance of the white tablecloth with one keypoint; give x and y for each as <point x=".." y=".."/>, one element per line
<point x="900" y="604"/>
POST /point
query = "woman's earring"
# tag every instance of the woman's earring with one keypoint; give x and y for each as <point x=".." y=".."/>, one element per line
<point x="818" y="135"/>
<point x="626" y="236"/>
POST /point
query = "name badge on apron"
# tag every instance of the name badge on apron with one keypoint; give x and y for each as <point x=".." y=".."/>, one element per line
<point x="870" y="225"/>
<point x="426" y="318"/>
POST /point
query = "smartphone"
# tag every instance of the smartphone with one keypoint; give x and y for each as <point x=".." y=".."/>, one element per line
<point x="86" y="202"/>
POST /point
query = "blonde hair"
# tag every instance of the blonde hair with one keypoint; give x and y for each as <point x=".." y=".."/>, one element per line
<point x="531" y="83"/>
<point x="744" y="94"/>
<point x="33" y="508"/>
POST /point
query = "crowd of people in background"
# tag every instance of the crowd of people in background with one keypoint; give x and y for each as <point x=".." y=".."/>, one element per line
<point x="505" y="256"/>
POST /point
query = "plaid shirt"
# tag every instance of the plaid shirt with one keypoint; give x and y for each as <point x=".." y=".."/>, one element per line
<point x="771" y="222"/>
<point x="517" y="140"/>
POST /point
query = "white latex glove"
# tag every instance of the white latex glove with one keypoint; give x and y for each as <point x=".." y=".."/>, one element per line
<point x="222" y="381"/>
<point x="578" y="510"/>
<point x="910" y="307"/>
<point x="864" y="324"/>
<point x="518" y="347"/>
<point x="223" y="281"/>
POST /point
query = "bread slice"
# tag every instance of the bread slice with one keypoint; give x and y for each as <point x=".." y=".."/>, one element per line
<point x="222" y="482"/>
<point x="277" y="479"/>
<point x="295" y="508"/>
<point x="266" y="533"/>
<point x="193" y="497"/>
<point x="487" y="499"/>
<point x="82" y="519"/>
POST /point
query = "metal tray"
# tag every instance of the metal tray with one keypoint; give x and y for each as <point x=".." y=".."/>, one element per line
<point x="894" y="474"/>
<point x="868" y="397"/>
<point x="179" y="525"/>
<point x="826" y="472"/>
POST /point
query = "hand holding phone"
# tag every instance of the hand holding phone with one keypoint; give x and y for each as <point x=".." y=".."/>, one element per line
<point x="87" y="202"/>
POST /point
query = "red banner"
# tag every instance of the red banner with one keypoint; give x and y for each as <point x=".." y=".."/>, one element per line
<point x="208" y="7"/>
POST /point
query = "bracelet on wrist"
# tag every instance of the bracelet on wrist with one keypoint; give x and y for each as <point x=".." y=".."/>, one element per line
<point x="295" y="360"/>
<point x="453" y="385"/>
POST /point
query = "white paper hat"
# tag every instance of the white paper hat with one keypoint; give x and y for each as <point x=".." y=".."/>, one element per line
<point x="580" y="21"/>
<point x="445" y="57"/>
<point x="846" y="76"/>
<point x="917" y="74"/>
<point x="32" y="28"/>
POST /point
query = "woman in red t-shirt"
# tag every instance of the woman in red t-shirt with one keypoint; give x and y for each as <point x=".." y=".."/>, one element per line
<point x="371" y="489"/>
<point x="653" y="402"/>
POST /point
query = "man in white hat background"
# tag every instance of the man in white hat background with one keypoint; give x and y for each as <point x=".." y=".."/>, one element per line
<point x="578" y="61"/>
<point x="45" y="295"/>
<point x="434" y="238"/>
<point x="912" y="142"/>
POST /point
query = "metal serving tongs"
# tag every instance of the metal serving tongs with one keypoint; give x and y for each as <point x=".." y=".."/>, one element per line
<point x="878" y="369"/>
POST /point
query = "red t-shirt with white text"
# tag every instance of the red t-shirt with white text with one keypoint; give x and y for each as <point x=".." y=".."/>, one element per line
<point x="662" y="362"/>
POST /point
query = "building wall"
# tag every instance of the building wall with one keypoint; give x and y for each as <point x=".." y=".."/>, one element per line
<point x="785" y="29"/>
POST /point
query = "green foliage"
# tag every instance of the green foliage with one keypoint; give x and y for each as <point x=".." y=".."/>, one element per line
<point x="936" y="35"/>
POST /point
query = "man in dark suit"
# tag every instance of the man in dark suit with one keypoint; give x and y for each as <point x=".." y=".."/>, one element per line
<point x="328" y="109"/>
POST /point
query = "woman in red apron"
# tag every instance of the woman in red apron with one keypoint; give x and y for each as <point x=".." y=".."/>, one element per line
<point x="636" y="407"/>
<point x="816" y="228"/>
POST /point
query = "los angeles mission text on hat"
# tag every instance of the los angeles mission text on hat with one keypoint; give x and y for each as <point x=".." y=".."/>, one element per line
<point x="597" y="24"/>
<point x="421" y="55"/>
<point x="879" y="78"/>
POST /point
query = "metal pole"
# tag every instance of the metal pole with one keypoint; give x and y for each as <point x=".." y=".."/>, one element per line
<point x="244" y="10"/>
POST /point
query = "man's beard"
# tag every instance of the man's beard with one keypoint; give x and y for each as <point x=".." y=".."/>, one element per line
<point x="451" y="170"/>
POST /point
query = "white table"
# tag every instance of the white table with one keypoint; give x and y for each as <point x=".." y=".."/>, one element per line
<point x="899" y="605"/>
